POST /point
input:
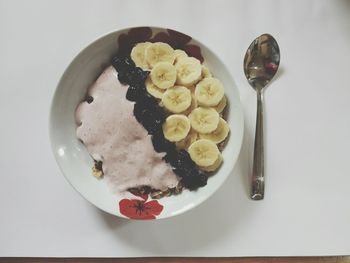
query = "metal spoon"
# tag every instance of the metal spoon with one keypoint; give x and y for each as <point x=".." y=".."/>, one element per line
<point x="261" y="63"/>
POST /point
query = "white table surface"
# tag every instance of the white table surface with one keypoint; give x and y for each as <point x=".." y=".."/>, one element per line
<point x="306" y="210"/>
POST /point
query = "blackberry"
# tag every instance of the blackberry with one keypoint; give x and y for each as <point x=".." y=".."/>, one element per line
<point x="186" y="171"/>
<point x="136" y="76"/>
<point x="127" y="77"/>
<point x="160" y="144"/>
<point x="139" y="75"/>
<point x="139" y="111"/>
<point x="194" y="181"/>
<point x="123" y="77"/>
<point x="149" y="117"/>
<point x="170" y="157"/>
<point x="123" y="63"/>
<point x="135" y="92"/>
<point x="151" y="122"/>
<point x="89" y="99"/>
<point x="184" y="161"/>
<point x="148" y="101"/>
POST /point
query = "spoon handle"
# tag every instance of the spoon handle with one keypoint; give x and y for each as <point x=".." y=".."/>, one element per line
<point x="257" y="192"/>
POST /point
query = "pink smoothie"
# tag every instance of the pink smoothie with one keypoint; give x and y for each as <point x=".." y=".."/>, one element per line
<point x="112" y="135"/>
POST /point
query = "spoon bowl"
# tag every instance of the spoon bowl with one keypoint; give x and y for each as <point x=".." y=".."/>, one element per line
<point x="261" y="61"/>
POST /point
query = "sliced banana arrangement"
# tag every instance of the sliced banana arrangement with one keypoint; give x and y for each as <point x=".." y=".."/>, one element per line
<point x="177" y="99"/>
<point x="163" y="75"/>
<point x="219" y="134"/>
<point x="153" y="89"/>
<point x="176" y="127"/>
<point x="179" y="54"/>
<point x="204" y="120"/>
<point x="189" y="71"/>
<point x="221" y="106"/>
<point x="191" y="137"/>
<point x="209" y="92"/>
<point x="193" y="98"/>
<point x="213" y="167"/>
<point x="204" y="152"/>
<point x="138" y="55"/>
<point x="159" y="52"/>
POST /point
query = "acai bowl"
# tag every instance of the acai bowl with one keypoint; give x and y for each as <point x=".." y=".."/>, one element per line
<point x="146" y="123"/>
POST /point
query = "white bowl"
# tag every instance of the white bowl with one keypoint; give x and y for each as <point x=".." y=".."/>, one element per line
<point x="73" y="158"/>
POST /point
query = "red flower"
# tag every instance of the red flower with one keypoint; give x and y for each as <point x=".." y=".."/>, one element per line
<point x="134" y="35"/>
<point x="179" y="41"/>
<point x="140" y="209"/>
<point x="174" y="38"/>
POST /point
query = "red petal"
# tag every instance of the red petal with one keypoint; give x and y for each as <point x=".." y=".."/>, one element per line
<point x="161" y="37"/>
<point x="194" y="51"/>
<point x="140" y="34"/>
<point x="129" y="209"/>
<point x="178" y="39"/>
<point x="153" y="207"/>
<point x="124" y="43"/>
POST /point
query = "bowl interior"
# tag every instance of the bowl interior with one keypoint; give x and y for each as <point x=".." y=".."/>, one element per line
<point x="74" y="160"/>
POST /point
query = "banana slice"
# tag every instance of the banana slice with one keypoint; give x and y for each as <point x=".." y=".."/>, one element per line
<point x="213" y="167"/>
<point x="153" y="89"/>
<point x="190" y="138"/>
<point x="206" y="72"/>
<point x="159" y="52"/>
<point x="176" y="127"/>
<point x="221" y="106"/>
<point x="209" y="92"/>
<point x="219" y="134"/>
<point x="189" y="71"/>
<point x="193" y="105"/>
<point x="138" y="54"/>
<point x="163" y="75"/>
<point x="204" y="120"/>
<point x="203" y="152"/>
<point x="179" y="54"/>
<point x="177" y="99"/>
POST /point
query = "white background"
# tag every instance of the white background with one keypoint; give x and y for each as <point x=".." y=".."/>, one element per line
<point x="306" y="210"/>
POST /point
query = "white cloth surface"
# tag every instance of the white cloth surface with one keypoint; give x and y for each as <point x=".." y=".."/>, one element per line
<point x="306" y="210"/>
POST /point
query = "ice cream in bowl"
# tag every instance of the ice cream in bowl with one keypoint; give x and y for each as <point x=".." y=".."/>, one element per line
<point x="146" y="123"/>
